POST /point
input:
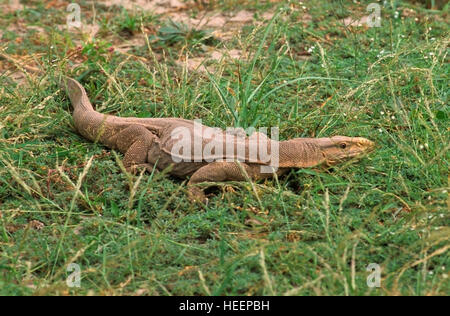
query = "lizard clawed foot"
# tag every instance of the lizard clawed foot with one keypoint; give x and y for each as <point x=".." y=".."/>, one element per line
<point x="197" y="195"/>
<point x="136" y="169"/>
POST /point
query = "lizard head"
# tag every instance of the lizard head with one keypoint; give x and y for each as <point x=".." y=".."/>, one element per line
<point x="311" y="152"/>
<point x="339" y="148"/>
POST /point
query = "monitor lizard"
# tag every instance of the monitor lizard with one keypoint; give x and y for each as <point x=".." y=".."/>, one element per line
<point x="160" y="143"/>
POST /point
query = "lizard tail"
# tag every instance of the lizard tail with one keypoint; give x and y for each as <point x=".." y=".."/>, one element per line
<point x="77" y="94"/>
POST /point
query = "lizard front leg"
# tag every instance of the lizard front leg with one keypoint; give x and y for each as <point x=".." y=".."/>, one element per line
<point x="135" y="141"/>
<point x="221" y="172"/>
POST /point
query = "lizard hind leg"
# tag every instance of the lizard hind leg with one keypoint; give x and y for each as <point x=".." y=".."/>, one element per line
<point x="217" y="172"/>
<point x="135" y="142"/>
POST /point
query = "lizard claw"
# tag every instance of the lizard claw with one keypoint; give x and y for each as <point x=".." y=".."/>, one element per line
<point x="197" y="195"/>
<point x="136" y="169"/>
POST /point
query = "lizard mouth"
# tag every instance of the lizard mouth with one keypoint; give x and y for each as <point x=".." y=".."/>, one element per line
<point x="353" y="154"/>
<point x="364" y="146"/>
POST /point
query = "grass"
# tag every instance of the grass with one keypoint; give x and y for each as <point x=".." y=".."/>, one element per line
<point x="313" y="232"/>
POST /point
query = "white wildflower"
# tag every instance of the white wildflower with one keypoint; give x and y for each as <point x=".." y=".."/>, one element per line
<point x="381" y="53"/>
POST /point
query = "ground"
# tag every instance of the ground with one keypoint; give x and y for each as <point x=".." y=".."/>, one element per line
<point x="310" y="68"/>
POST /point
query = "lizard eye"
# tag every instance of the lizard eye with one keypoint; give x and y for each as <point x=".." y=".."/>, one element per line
<point x="343" y="145"/>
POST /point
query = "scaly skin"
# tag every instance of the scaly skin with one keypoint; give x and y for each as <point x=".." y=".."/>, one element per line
<point x="146" y="142"/>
